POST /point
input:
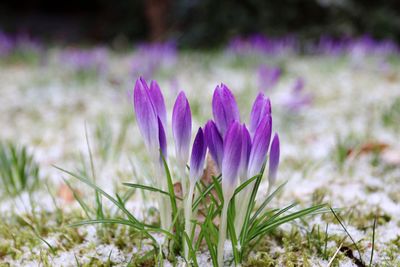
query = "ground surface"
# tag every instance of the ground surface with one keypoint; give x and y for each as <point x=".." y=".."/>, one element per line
<point x="337" y="150"/>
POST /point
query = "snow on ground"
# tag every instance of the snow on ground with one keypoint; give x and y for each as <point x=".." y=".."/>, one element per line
<point x="46" y="109"/>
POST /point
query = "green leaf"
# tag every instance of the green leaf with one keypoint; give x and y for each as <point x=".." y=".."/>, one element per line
<point x="171" y="191"/>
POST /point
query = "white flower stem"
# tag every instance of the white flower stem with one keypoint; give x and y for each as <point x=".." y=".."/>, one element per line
<point x="164" y="204"/>
<point x="188" y="216"/>
<point x="222" y="232"/>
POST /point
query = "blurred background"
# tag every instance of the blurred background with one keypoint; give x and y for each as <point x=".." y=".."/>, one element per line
<point x="198" y="23"/>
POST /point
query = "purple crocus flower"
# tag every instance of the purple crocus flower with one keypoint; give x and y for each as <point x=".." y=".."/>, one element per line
<point x="260" y="146"/>
<point x="268" y="76"/>
<point x="261" y="108"/>
<point x="182" y="127"/>
<point x="145" y="114"/>
<point x="273" y="160"/>
<point x="245" y="153"/>
<point x="158" y="101"/>
<point x="198" y="155"/>
<point x="225" y="109"/>
<point x="162" y="139"/>
<point x="214" y="142"/>
<point x="232" y="159"/>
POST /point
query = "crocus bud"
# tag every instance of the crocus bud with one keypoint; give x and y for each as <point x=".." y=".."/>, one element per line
<point x="158" y="102"/>
<point x="182" y="127"/>
<point x="259" y="148"/>
<point x="214" y="143"/>
<point x="245" y="154"/>
<point x="198" y="155"/>
<point x="231" y="160"/>
<point x="145" y="114"/>
<point x="225" y="109"/>
<point x="261" y="108"/>
<point x="273" y="160"/>
<point x="162" y="139"/>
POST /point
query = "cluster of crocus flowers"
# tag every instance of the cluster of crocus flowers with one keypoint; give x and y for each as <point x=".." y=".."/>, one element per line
<point x="85" y="60"/>
<point x="238" y="152"/>
<point x="149" y="58"/>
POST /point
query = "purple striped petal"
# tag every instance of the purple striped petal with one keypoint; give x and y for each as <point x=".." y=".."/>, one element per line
<point x="261" y="108"/>
<point x="145" y="114"/>
<point x="182" y="127"/>
<point x="158" y="102"/>
<point x="273" y="160"/>
<point x="231" y="159"/>
<point x="198" y="155"/>
<point x="162" y="139"/>
<point x="214" y="142"/>
<point x="245" y="154"/>
<point x="260" y="146"/>
<point x="225" y="109"/>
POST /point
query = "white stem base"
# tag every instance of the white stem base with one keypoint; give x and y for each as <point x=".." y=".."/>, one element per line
<point x="222" y="233"/>
<point x="188" y="216"/>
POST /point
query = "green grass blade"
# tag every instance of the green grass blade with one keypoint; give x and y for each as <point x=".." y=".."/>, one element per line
<point x="281" y="220"/>
<point x="171" y="191"/>
<point x="347" y="232"/>
<point x="266" y="201"/>
<point x="98" y="189"/>
<point x="83" y="205"/>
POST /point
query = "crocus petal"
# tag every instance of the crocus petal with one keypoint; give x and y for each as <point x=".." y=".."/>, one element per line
<point x="145" y="114"/>
<point x="260" y="146"/>
<point x="162" y="139"/>
<point x="182" y="127"/>
<point x="261" y="108"/>
<point x="231" y="159"/>
<point x="158" y="102"/>
<point x="225" y="109"/>
<point x="245" y="154"/>
<point x="214" y="142"/>
<point x="198" y="155"/>
<point x="273" y="160"/>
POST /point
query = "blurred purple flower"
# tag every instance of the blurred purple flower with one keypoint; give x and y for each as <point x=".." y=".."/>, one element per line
<point x="268" y="76"/>
<point x="257" y="44"/>
<point x="224" y="107"/>
<point x="150" y="58"/>
<point x="298" y="98"/>
<point x="85" y="60"/>
<point x="198" y="156"/>
<point x="182" y="127"/>
<point x="6" y="44"/>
